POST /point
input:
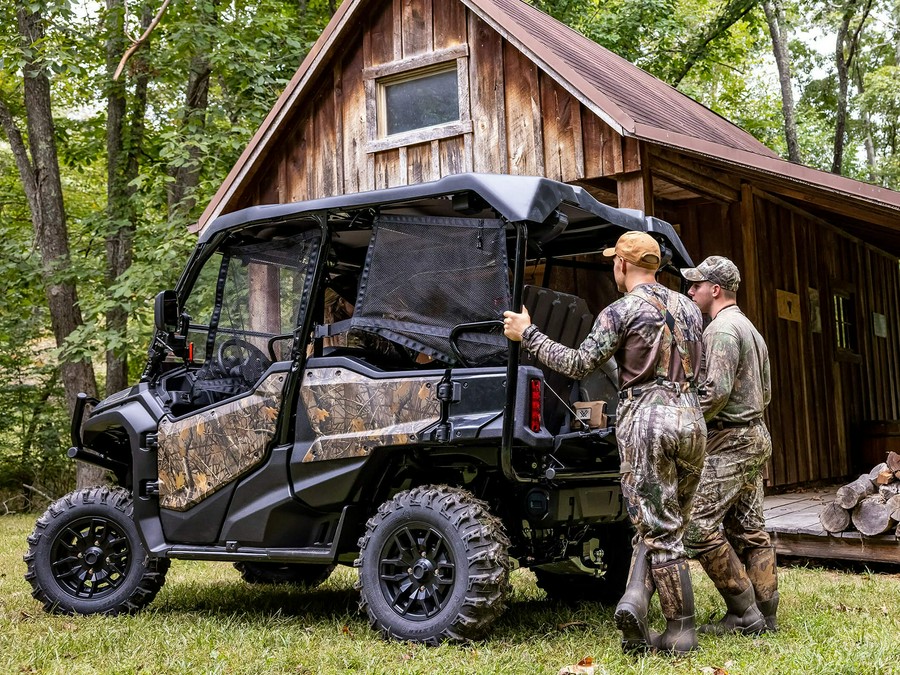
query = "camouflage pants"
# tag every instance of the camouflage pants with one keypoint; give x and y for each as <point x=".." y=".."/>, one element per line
<point x="731" y="491"/>
<point x="661" y="437"/>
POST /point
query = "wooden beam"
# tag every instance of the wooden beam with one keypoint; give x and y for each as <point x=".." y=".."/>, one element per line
<point x="751" y="301"/>
<point x="695" y="176"/>
<point x="635" y="189"/>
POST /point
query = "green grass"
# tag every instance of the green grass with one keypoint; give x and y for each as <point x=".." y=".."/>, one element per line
<point x="206" y="620"/>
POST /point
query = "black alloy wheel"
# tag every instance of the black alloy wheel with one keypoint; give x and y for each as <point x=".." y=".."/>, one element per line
<point x="90" y="557"/>
<point x="433" y="566"/>
<point x="85" y="556"/>
<point x="417" y="571"/>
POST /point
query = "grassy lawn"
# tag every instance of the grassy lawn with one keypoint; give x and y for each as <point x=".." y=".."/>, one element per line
<point x="206" y="620"/>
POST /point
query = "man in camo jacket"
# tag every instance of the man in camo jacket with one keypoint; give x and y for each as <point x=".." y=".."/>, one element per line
<point x="740" y="558"/>
<point x="655" y="336"/>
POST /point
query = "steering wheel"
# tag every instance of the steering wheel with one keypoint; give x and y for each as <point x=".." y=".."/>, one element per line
<point x="240" y="354"/>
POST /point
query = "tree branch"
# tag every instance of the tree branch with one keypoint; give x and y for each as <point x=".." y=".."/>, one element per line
<point x="137" y="43"/>
<point x="20" y="153"/>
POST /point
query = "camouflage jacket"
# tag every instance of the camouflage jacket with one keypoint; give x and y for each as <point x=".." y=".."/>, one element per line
<point x="736" y="376"/>
<point x="630" y="329"/>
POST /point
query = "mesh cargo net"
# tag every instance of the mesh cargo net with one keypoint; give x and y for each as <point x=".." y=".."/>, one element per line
<point x="425" y="275"/>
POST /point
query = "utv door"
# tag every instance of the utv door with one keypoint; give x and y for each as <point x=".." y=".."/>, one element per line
<point x="246" y="300"/>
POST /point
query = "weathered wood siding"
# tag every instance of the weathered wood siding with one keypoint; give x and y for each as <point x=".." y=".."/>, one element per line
<point x="822" y="396"/>
<point x="522" y="122"/>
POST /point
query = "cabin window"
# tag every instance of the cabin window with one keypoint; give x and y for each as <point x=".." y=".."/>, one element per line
<point x="844" y="322"/>
<point x="419" y="99"/>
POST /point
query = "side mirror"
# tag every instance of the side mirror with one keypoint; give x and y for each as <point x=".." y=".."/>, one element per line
<point x="166" y="312"/>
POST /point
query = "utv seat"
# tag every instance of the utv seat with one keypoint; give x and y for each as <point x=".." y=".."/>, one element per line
<point x="566" y="319"/>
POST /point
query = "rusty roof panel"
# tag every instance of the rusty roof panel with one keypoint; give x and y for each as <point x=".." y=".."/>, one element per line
<point x="638" y="94"/>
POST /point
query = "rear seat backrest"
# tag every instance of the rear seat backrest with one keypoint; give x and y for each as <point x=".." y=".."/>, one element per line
<point x="566" y="319"/>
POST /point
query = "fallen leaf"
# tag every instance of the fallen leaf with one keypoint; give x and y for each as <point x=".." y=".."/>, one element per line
<point x="586" y="661"/>
<point x="576" y="670"/>
<point x="68" y="625"/>
<point x="346" y="631"/>
<point x="570" y="624"/>
<point x="406" y="657"/>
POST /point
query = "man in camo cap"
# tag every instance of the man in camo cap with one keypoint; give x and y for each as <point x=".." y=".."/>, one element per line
<point x="654" y="334"/>
<point x="740" y="558"/>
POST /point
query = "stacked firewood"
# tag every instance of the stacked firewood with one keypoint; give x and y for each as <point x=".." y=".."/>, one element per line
<point x="870" y="504"/>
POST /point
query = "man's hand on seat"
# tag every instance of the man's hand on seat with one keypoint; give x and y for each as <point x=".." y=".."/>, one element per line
<point x="514" y="324"/>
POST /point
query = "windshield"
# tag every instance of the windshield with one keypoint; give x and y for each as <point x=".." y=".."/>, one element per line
<point x="251" y="291"/>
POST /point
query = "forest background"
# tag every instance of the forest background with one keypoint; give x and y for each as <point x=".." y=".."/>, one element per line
<point x="101" y="177"/>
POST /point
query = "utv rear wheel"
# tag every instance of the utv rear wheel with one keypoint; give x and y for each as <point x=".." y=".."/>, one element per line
<point x="85" y="556"/>
<point x="608" y="589"/>
<point x="433" y="566"/>
<point x="300" y="574"/>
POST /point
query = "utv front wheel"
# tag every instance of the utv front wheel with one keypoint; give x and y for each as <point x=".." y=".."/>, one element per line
<point x="85" y="556"/>
<point x="433" y="566"/>
<point x="300" y="574"/>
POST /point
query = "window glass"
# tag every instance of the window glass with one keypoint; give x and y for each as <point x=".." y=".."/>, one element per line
<point x="259" y="291"/>
<point x="421" y="101"/>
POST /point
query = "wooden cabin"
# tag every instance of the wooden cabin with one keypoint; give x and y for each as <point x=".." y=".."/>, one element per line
<point x="404" y="91"/>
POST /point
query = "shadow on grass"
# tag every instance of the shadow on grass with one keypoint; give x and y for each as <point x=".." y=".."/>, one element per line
<point x="851" y="566"/>
<point x="337" y="601"/>
<point x="238" y="598"/>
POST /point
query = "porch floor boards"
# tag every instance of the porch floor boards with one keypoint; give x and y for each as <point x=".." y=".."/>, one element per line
<point x="792" y="521"/>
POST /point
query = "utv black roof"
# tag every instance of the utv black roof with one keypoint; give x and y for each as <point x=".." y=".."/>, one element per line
<point x="529" y="199"/>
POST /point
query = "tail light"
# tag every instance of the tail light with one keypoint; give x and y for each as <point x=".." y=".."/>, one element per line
<point x="534" y="405"/>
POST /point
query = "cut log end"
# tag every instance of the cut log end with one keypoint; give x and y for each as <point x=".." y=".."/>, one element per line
<point x="834" y="518"/>
<point x="873" y="516"/>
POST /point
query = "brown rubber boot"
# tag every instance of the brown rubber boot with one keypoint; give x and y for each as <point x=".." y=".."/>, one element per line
<point x="676" y="598"/>
<point x="762" y="569"/>
<point x="727" y="573"/>
<point x="631" y="612"/>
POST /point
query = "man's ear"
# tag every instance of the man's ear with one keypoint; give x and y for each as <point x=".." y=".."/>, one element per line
<point x="716" y="291"/>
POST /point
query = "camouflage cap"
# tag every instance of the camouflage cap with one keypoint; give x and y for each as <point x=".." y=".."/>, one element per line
<point x="638" y="248"/>
<point x="716" y="269"/>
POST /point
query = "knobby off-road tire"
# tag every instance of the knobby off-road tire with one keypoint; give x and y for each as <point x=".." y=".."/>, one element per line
<point x="608" y="589"/>
<point x="433" y="566"/>
<point x="85" y="556"/>
<point x="308" y="576"/>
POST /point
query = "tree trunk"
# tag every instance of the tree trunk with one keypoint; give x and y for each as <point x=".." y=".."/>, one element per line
<point x="38" y="166"/>
<point x="834" y="518"/>
<point x="124" y="141"/>
<point x="778" y="30"/>
<point x="181" y="198"/>
<point x="846" y="47"/>
<point x="119" y="221"/>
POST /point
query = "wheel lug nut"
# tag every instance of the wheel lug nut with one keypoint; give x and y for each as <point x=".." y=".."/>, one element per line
<point x="409" y="571"/>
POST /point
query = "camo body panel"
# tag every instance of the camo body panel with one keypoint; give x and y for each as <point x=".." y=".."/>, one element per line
<point x="731" y="490"/>
<point x="351" y="414"/>
<point x="200" y="454"/>
<point x="662" y="437"/>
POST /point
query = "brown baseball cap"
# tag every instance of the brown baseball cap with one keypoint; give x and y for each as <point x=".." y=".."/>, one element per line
<point x="716" y="269"/>
<point x="638" y="248"/>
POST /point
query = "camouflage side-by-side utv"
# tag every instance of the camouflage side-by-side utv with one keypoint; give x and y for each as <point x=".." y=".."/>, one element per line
<point x="329" y="384"/>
